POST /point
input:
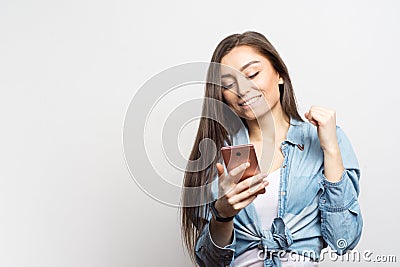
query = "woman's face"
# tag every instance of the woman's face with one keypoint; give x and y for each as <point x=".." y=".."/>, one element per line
<point x="251" y="88"/>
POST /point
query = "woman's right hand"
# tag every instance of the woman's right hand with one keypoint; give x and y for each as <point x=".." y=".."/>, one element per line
<point x="234" y="194"/>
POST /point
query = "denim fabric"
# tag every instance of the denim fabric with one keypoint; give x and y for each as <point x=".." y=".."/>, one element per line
<point x="312" y="212"/>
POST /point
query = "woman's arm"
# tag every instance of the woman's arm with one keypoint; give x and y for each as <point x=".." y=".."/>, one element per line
<point x="341" y="220"/>
<point x="221" y="232"/>
<point x="216" y="244"/>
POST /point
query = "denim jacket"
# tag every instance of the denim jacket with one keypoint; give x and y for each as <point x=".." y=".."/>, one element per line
<point x="312" y="212"/>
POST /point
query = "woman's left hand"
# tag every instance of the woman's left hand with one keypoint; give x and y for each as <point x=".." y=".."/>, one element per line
<point x="325" y="121"/>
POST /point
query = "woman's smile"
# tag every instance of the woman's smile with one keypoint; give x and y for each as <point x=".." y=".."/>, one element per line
<point x="247" y="103"/>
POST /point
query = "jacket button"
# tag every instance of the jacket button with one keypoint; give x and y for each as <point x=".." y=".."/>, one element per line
<point x="284" y="166"/>
<point x="260" y="246"/>
<point x="282" y="193"/>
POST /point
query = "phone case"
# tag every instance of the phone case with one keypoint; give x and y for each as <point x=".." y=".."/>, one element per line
<point x="236" y="155"/>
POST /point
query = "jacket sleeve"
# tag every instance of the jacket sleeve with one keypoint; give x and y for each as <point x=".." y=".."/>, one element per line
<point x="210" y="254"/>
<point x="341" y="220"/>
<point x="207" y="252"/>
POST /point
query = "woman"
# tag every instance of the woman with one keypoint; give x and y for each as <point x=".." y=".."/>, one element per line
<point x="304" y="199"/>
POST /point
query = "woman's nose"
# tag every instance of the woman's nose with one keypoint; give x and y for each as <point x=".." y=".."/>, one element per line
<point x="244" y="86"/>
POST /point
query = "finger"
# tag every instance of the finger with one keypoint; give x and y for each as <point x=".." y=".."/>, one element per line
<point x="310" y="118"/>
<point x="229" y="181"/>
<point x="321" y="110"/>
<point x="317" y="116"/>
<point x="309" y="115"/>
<point x="244" y="203"/>
<point x="251" y="182"/>
<point x="252" y="191"/>
<point x="327" y="115"/>
<point x="323" y="113"/>
<point x="238" y="170"/>
<point x="239" y="194"/>
<point x="220" y="169"/>
<point x="258" y="188"/>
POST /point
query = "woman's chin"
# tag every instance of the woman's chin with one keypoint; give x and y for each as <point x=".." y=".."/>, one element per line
<point x="254" y="114"/>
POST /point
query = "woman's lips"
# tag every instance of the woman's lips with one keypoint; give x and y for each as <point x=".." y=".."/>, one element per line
<point x="250" y="101"/>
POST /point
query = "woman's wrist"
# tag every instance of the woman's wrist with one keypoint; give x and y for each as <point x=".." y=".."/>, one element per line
<point x="217" y="215"/>
<point x="333" y="165"/>
<point x="332" y="150"/>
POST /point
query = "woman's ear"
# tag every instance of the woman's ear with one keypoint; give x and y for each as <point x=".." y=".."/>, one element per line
<point x="280" y="80"/>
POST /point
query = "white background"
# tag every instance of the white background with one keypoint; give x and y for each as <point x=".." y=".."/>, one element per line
<point x="68" y="70"/>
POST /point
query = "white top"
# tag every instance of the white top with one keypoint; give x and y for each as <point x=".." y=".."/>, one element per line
<point x="266" y="206"/>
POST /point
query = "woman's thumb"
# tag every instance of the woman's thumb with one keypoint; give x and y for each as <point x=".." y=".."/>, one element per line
<point x="220" y="169"/>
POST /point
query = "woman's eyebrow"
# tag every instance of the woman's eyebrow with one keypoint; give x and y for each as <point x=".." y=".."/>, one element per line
<point x="226" y="75"/>
<point x="242" y="68"/>
<point x="248" y="64"/>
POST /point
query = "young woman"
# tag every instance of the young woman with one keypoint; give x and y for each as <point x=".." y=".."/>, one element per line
<point x="305" y="197"/>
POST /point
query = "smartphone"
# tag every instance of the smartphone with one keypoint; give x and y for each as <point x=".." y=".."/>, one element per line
<point x="236" y="155"/>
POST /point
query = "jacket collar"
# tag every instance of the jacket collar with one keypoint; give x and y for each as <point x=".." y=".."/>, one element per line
<point x="295" y="134"/>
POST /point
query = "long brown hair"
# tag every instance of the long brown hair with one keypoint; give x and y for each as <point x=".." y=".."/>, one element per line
<point x="194" y="218"/>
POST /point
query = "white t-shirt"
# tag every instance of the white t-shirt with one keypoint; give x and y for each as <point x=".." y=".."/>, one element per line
<point x="266" y="206"/>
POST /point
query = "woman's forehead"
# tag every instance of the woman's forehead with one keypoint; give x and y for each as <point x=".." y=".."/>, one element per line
<point x="240" y="55"/>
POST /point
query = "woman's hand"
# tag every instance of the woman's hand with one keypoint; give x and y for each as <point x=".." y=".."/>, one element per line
<point x="234" y="195"/>
<point x="325" y="120"/>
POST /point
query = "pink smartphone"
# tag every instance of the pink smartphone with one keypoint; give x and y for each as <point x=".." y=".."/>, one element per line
<point x="236" y="155"/>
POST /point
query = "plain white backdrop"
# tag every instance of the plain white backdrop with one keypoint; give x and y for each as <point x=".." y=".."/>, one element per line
<point x="68" y="70"/>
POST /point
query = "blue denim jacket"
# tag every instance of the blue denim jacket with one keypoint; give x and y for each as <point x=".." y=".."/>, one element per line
<point x="312" y="212"/>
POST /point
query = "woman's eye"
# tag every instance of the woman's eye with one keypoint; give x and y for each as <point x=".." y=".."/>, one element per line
<point x="227" y="86"/>
<point x="253" y="75"/>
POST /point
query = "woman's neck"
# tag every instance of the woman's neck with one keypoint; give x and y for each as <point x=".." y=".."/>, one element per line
<point x="271" y="127"/>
